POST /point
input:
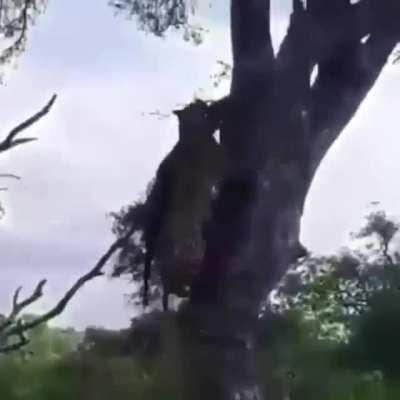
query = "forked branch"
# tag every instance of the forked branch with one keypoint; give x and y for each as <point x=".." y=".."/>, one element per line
<point x="11" y="141"/>
<point x="13" y="328"/>
<point x="350" y="44"/>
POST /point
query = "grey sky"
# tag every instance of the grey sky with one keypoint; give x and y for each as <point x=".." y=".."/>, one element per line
<point x="97" y="151"/>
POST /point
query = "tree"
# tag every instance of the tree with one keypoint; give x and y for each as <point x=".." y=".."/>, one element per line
<point x="352" y="299"/>
<point x="277" y="128"/>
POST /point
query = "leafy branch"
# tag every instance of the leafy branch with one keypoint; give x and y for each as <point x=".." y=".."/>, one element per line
<point x="15" y="18"/>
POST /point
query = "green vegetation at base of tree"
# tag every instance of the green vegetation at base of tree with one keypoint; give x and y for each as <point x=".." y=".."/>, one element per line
<point x="331" y="332"/>
<point x="293" y="362"/>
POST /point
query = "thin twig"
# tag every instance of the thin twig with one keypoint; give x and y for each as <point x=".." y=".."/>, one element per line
<point x="4" y="189"/>
<point x="13" y="176"/>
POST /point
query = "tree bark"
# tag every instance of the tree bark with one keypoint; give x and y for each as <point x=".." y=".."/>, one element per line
<point x="276" y="132"/>
<point x="255" y="224"/>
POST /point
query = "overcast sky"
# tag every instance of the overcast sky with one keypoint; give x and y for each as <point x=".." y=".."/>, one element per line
<point x="97" y="150"/>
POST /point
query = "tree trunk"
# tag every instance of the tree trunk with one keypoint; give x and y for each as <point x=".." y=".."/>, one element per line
<point x="255" y="226"/>
<point x="276" y="132"/>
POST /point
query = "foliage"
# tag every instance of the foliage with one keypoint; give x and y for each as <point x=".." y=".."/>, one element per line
<point x="15" y="18"/>
<point x="332" y="330"/>
<point x="334" y="291"/>
<point x="88" y="373"/>
<point x="50" y="343"/>
<point x="223" y="73"/>
<point x="374" y="341"/>
<point x="158" y="16"/>
<point x="130" y="259"/>
<point x="294" y="363"/>
<point x="28" y="374"/>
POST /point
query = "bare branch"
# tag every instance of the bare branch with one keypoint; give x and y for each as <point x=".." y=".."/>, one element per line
<point x="36" y="294"/>
<point x="10" y="141"/>
<point x="4" y="189"/>
<point x="13" y="326"/>
<point x="21" y="342"/>
<point x="13" y="176"/>
<point x="17" y="306"/>
<point x="15" y="297"/>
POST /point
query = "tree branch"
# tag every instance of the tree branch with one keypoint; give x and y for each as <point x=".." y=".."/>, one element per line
<point x="10" y="141"/>
<point x="17" y="306"/>
<point x="294" y="61"/>
<point x="350" y="44"/>
<point x="8" y="176"/>
<point x="333" y="21"/>
<point x="13" y="326"/>
<point x="252" y="51"/>
<point x="327" y="25"/>
<point x="343" y="82"/>
<point x="13" y="176"/>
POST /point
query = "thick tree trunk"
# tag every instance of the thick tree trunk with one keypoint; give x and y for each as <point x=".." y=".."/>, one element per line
<point x="255" y="224"/>
<point x="255" y="220"/>
<point x="276" y="132"/>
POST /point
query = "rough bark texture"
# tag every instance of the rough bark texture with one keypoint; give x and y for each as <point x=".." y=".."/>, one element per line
<point x="277" y="129"/>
